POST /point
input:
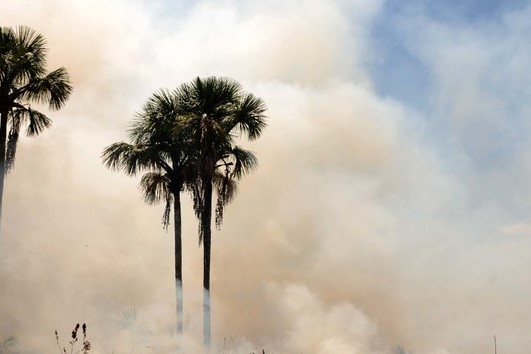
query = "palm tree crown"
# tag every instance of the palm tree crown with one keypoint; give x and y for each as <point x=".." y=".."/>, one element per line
<point x="215" y="112"/>
<point x="156" y="150"/>
<point x="23" y="80"/>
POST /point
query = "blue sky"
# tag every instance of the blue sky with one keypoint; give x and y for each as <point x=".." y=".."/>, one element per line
<point x="402" y="36"/>
<point x="396" y="69"/>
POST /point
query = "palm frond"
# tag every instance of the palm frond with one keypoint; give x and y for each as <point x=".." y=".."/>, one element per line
<point x="23" y="56"/>
<point x="166" y="214"/>
<point x="19" y="116"/>
<point x="161" y="105"/>
<point x="12" y="142"/>
<point x="195" y="189"/>
<point x="52" y="89"/>
<point x="155" y="187"/>
<point x="154" y="123"/>
<point x="30" y="41"/>
<point x="226" y="188"/>
<point x="219" y="95"/>
<point x="249" y="117"/>
<point x="123" y="156"/>
<point x="37" y="121"/>
<point x="213" y="96"/>
<point x="245" y="161"/>
<point x="7" y="57"/>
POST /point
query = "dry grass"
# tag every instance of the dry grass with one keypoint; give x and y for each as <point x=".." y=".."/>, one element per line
<point x="85" y="344"/>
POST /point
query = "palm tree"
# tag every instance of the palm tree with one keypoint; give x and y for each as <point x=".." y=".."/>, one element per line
<point x="23" y="80"/>
<point x="215" y="112"/>
<point x="156" y="150"/>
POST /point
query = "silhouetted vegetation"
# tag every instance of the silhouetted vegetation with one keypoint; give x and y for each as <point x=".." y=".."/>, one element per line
<point x="186" y="140"/>
<point x="164" y="158"/>
<point x="212" y="113"/>
<point x="85" y="344"/>
<point x="24" y="80"/>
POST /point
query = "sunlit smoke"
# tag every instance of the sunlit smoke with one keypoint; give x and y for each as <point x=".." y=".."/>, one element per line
<point x="354" y="235"/>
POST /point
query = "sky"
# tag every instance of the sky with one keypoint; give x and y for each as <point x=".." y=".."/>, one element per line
<point x="391" y="208"/>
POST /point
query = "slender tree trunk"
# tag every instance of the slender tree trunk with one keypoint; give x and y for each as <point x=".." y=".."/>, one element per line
<point x="178" y="261"/>
<point x="3" y="140"/>
<point x="206" y="225"/>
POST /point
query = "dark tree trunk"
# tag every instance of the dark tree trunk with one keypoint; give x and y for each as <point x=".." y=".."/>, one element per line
<point x="3" y="140"/>
<point x="178" y="260"/>
<point x="206" y="219"/>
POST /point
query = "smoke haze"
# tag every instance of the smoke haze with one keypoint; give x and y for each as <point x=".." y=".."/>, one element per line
<point x="370" y="224"/>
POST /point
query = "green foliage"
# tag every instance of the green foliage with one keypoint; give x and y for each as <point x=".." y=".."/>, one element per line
<point x="213" y="112"/>
<point x="186" y="140"/>
<point x="155" y="150"/>
<point x="186" y="137"/>
<point x="23" y="80"/>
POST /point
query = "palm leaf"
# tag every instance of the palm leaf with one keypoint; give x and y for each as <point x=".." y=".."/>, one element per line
<point x="24" y="56"/>
<point x="52" y="89"/>
<point x="132" y="159"/>
<point x="12" y="142"/>
<point x="37" y="121"/>
<point x="155" y="188"/>
<point x="122" y="156"/>
<point x="245" y="161"/>
<point x="226" y="188"/>
<point x="249" y="117"/>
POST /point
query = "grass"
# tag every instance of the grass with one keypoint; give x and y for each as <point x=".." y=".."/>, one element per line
<point x="85" y="344"/>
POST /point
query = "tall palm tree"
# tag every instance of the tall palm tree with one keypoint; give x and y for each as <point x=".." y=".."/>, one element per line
<point x="215" y="112"/>
<point x="162" y="155"/>
<point x="24" y="80"/>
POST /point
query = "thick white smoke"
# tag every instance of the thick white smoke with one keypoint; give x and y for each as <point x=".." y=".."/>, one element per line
<point x="355" y="235"/>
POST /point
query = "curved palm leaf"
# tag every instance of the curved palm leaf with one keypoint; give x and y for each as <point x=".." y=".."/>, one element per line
<point x="11" y="149"/>
<point x="154" y="123"/>
<point x="52" y="89"/>
<point x="155" y="188"/>
<point x="23" y="53"/>
<point x="37" y="122"/>
<point x="226" y="188"/>
<point x="249" y="117"/>
<point x="245" y="161"/>
<point x="123" y="156"/>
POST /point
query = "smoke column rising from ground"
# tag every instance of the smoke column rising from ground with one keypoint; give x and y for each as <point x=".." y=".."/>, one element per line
<point x="355" y="235"/>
